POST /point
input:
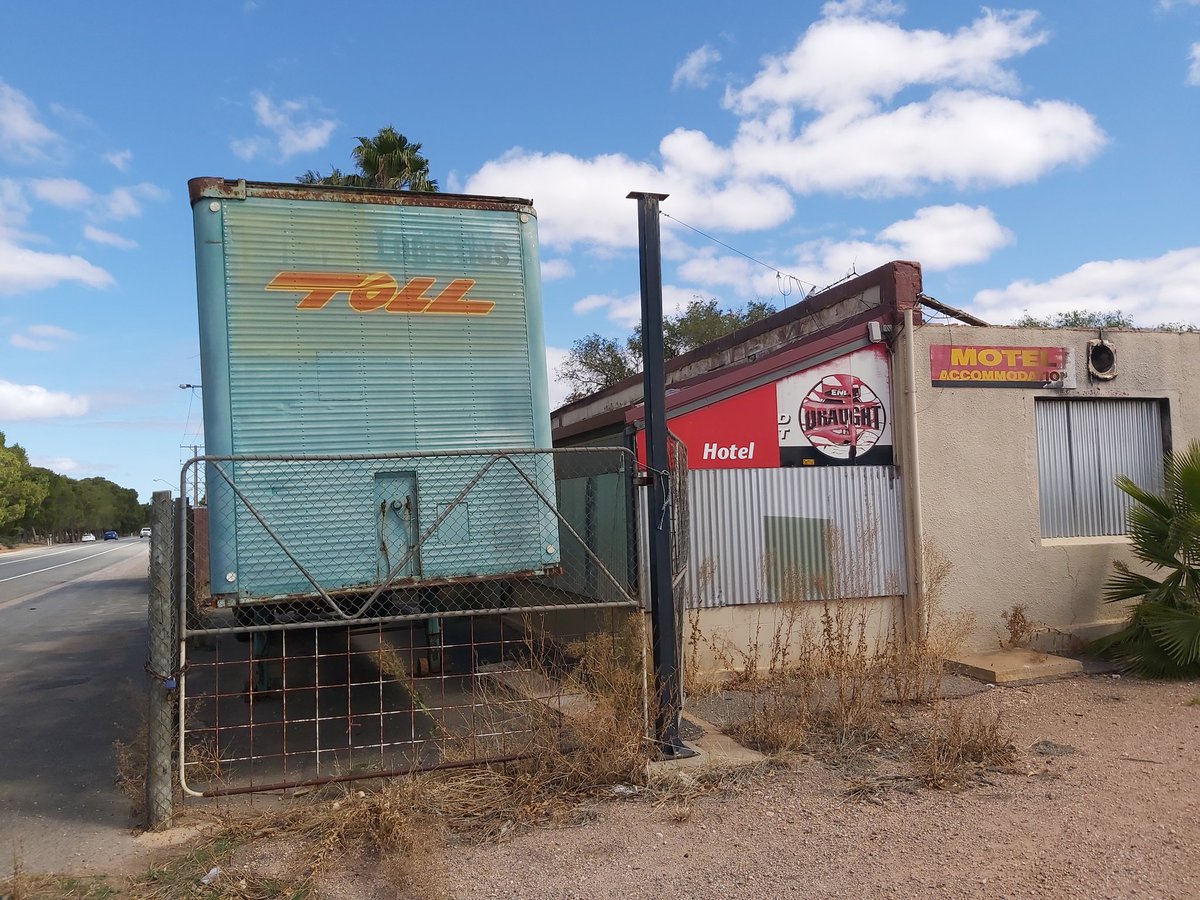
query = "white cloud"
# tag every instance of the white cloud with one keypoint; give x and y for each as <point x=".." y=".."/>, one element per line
<point x="845" y="69"/>
<point x="1193" y="75"/>
<point x="31" y="401"/>
<point x="108" y="238"/>
<point x="584" y="200"/>
<point x="66" y="193"/>
<point x="695" y="70"/>
<point x="64" y="465"/>
<point x="23" y="137"/>
<point x="22" y="269"/>
<point x="626" y="311"/>
<point x="293" y="127"/>
<point x="120" y="203"/>
<point x="119" y="159"/>
<point x="939" y="237"/>
<point x="126" y="202"/>
<point x="1151" y="291"/>
<point x="847" y="61"/>
<point x="821" y="118"/>
<point x="14" y="209"/>
<point x="555" y="269"/>
<point x="962" y="138"/>
<point x="42" y="337"/>
<point x="945" y="237"/>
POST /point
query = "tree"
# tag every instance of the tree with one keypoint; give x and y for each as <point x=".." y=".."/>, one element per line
<point x="387" y="160"/>
<point x="1162" y="635"/>
<point x="21" y="491"/>
<point x="596" y="362"/>
<point x="1077" y="318"/>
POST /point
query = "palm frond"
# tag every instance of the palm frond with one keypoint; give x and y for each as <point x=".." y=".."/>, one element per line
<point x="1177" y="631"/>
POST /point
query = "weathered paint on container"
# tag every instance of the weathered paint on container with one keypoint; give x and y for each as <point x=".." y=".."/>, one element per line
<point x="345" y="321"/>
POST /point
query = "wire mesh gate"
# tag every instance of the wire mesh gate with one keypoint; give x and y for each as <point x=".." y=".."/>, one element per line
<point x="353" y="616"/>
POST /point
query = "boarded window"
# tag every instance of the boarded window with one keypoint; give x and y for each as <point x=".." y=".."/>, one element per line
<point x="797" y="556"/>
<point x="1082" y="445"/>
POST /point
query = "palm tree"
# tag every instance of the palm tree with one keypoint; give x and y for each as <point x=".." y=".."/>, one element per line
<point x="387" y="160"/>
<point x="1162" y="635"/>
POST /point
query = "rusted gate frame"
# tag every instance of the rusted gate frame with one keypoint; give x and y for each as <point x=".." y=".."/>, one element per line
<point x="493" y="458"/>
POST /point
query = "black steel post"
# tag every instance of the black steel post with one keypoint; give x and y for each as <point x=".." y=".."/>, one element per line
<point x="667" y="671"/>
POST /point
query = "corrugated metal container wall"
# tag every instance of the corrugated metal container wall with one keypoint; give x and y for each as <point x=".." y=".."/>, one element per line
<point x="766" y="535"/>
<point x="285" y="378"/>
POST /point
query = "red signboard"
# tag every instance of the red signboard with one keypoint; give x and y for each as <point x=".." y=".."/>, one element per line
<point x="976" y="365"/>
<point x="833" y="413"/>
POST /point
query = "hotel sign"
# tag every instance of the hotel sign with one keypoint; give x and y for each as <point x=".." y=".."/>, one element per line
<point x="977" y="365"/>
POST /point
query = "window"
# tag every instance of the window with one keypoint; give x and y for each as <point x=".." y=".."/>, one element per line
<point x="1082" y="445"/>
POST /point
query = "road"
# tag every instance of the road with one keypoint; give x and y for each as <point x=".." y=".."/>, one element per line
<point x="72" y="648"/>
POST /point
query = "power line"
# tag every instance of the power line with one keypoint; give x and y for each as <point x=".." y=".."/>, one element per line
<point x="779" y="273"/>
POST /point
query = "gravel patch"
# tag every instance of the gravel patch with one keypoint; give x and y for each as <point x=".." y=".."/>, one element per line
<point x="1103" y="802"/>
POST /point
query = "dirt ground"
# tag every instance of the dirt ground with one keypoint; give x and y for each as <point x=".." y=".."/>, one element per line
<point x="1103" y="801"/>
<point x="1110" y="807"/>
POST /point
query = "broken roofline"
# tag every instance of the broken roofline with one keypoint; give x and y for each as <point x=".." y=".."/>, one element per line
<point x="899" y="284"/>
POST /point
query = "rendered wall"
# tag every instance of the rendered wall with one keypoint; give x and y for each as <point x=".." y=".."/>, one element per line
<point x="978" y="467"/>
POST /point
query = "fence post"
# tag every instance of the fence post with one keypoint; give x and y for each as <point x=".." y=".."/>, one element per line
<point x="160" y="792"/>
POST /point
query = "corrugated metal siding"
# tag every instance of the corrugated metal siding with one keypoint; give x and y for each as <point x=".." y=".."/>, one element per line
<point x="338" y="380"/>
<point x="1082" y="445"/>
<point x="765" y="535"/>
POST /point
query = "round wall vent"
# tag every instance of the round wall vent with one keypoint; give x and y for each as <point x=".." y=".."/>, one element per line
<point x="1102" y="360"/>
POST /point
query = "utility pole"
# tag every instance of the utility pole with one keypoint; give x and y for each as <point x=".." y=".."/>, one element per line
<point x="667" y="670"/>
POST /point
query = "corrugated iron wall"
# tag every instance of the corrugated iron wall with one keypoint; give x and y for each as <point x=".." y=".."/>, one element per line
<point x="1082" y="445"/>
<point x="766" y="535"/>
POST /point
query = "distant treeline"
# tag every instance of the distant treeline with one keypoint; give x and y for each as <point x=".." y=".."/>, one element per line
<point x="36" y="504"/>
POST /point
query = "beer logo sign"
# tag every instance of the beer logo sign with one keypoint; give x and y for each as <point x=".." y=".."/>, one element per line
<point x="842" y="417"/>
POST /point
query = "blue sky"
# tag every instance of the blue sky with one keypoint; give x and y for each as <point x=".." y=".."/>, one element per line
<point x="1036" y="158"/>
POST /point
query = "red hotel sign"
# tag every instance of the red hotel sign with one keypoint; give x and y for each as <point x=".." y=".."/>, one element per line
<point x="991" y="366"/>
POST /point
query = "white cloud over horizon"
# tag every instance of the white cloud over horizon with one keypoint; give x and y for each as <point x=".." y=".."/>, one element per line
<point x="31" y="401"/>
<point x="1152" y="291"/>
<point x="63" y="465"/>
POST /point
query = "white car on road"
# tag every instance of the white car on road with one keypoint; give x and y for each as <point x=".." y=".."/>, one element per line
<point x="88" y="538"/>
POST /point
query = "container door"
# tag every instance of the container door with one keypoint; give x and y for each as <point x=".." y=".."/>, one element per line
<point x="396" y="524"/>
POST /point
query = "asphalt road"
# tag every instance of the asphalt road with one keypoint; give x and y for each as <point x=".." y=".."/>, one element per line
<point x="72" y="648"/>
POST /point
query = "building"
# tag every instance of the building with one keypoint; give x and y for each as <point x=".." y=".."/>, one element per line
<point x="838" y="447"/>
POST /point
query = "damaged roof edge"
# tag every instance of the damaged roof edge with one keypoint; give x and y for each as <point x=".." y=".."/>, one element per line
<point x="899" y="282"/>
<point x="205" y="188"/>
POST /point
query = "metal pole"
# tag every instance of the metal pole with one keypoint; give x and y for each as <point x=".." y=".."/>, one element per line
<point x="160" y="795"/>
<point x="662" y="603"/>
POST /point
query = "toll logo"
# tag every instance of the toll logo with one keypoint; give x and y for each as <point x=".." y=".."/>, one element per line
<point x="842" y="417"/>
<point x="380" y="291"/>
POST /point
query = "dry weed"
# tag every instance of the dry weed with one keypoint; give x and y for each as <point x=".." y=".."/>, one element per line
<point x="1019" y="626"/>
<point x="961" y="745"/>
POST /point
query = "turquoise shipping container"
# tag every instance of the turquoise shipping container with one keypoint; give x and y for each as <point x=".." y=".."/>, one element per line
<point x="353" y="322"/>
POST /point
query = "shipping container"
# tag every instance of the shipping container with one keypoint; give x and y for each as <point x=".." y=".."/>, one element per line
<point x="340" y="324"/>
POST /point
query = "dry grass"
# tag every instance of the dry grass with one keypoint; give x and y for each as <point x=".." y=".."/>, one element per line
<point x="959" y="746"/>
<point x="132" y="754"/>
<point x="399" y="827"/>
<point x="831" y="679"/>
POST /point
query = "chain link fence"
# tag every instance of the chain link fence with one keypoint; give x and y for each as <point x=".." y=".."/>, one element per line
<point x="361" y="615"/>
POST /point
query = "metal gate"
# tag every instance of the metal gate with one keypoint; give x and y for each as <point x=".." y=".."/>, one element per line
<point x="352" y="616"/>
